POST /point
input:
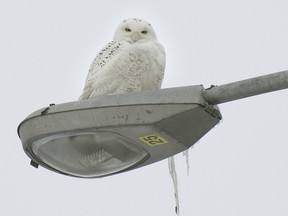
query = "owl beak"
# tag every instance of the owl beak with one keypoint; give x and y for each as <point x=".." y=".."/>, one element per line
<point x="135" y="37"/>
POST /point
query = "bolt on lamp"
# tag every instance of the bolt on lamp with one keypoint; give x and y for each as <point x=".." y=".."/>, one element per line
<point x="113" y="134"/>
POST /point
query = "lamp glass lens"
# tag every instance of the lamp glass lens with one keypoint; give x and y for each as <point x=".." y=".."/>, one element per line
<point x="88" y="154"/>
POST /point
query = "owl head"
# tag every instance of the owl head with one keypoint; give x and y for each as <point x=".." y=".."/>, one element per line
<point x="134" y="30"/>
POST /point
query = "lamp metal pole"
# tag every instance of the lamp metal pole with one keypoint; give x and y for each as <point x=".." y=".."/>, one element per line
<point x="246" y="88"/>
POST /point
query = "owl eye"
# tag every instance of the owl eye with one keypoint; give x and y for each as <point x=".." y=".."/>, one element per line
<point x="127" y="29"/>
<point x="144" y="32"/>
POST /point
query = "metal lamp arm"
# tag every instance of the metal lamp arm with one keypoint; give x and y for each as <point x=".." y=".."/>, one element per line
<point x="246" y="88"/>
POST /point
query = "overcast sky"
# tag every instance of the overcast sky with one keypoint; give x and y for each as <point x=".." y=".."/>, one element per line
<point x="238" y="168"/>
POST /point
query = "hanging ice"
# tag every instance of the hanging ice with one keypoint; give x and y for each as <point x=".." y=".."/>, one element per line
<point x="172" y="171"/>
<point x="186" y="154"/>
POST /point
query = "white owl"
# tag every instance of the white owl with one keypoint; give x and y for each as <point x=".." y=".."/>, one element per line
<point x="134" y="61"/>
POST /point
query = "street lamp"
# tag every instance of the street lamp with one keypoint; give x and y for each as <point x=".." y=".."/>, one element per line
<point x="113" y="134"/>
<point x="107" y="135"/>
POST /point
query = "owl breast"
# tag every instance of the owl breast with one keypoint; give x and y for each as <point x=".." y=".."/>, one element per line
<point x="133" y="68"/>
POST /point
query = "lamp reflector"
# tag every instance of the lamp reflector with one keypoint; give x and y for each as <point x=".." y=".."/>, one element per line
<point x="88" y="154"/>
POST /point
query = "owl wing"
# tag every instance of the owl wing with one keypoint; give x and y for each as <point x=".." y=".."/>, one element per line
<point x="101" y="60"/>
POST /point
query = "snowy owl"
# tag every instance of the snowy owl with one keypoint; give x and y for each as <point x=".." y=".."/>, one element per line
<point x="134" y="61"/>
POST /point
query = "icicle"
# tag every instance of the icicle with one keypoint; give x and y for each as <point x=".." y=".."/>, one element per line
<point x="186" y="154"/>
<point x="172" y="171"/>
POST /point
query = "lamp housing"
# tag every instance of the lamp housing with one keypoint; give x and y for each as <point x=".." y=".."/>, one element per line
<point x="113" y="134"/>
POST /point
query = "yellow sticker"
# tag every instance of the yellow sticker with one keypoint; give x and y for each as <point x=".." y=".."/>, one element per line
<point x="153" y="140"/>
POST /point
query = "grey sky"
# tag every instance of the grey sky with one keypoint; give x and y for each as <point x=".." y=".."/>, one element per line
<point x="239" y="168"/>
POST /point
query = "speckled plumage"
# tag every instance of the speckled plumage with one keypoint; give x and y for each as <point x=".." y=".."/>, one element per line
<point x="133" y="61"/>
